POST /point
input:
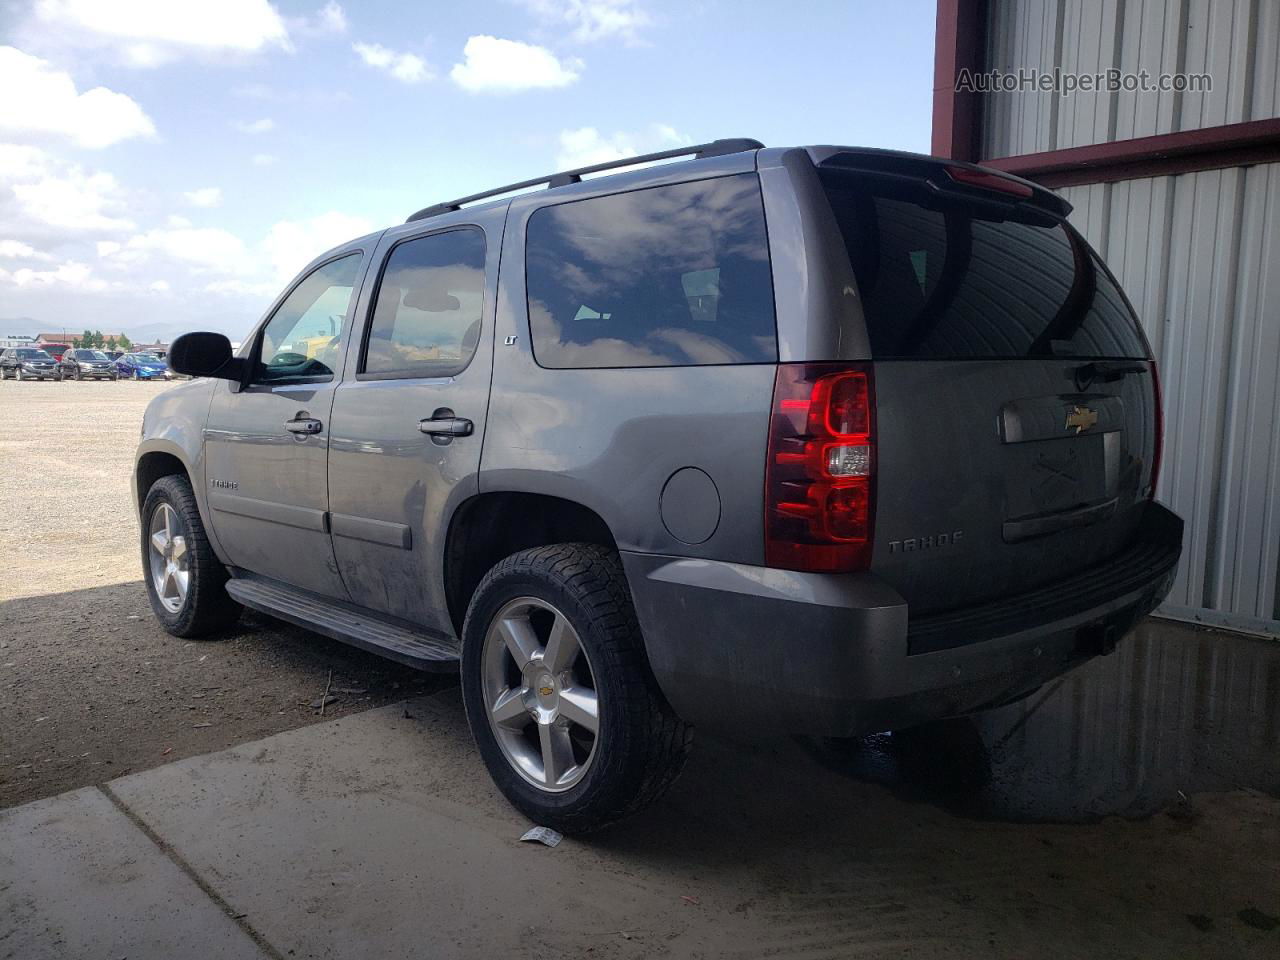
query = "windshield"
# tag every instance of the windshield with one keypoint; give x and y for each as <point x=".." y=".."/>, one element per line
<point x="29" y="354"/>
<point x="942" y="278"/>
<point x="92" y="355"/>
<point x="146" y="358"/>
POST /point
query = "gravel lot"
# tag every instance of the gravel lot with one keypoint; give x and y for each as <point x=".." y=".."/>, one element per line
<point x="90" y="686"/>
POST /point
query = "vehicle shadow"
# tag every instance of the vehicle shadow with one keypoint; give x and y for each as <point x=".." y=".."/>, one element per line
<point x="93" y="688"/>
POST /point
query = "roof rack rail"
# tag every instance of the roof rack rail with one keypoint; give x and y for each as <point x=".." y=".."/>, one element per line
<point x="716" y="148"/>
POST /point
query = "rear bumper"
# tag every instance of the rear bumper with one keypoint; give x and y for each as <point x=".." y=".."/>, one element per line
<point x="744" y="648"/>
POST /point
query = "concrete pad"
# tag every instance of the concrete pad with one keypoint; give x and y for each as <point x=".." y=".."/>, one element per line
<point x="381" y="835"/>
<point x="79" y="879"/>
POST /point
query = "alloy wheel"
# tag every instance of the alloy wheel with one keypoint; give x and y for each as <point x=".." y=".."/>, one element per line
<point x="169" y="558"/>
<point x="540" y="694"/>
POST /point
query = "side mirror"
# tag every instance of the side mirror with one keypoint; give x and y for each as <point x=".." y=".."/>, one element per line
<point x="205" y="355"/>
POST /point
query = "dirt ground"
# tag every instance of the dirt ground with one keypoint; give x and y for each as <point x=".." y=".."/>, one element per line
<point x="90" y="686"/>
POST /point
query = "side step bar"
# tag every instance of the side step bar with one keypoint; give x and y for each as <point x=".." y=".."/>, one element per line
<point x="339" y="621"/>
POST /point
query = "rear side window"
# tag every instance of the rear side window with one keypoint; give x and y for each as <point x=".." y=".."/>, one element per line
<point x="426" y="321"/>
<point x="661" y="277"/>
<point x="941" y="278"/>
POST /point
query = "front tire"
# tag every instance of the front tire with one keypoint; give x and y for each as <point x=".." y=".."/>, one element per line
<point x="560" y="697"/>
<point x="186" y="583"/>
<point x="18" y="373"/>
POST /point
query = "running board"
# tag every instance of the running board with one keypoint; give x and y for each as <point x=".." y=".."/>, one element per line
<point x="339" y="621"/>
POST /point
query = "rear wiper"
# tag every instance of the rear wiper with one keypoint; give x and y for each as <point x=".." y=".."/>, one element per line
<point x="1104" y="372"/>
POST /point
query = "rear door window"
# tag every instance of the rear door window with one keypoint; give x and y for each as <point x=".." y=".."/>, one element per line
<point x="426" y="320"/>
<point x="943" y="278"/>
<point x="665" y="276"/>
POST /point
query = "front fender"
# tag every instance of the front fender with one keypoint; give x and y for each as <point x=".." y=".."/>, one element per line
<point x="173" y="425"/>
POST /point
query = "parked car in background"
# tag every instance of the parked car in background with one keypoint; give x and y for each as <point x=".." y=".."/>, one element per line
<point x="27" y="363"/>
<point x="84" y="364"/>
<point x="821" y="441"/>
<point x="56" y="350"/>
<point x="142" y="366"/>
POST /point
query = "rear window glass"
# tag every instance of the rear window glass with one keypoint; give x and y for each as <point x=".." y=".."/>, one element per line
<point x="949" y="279"/>
<point x="666" y="276"/>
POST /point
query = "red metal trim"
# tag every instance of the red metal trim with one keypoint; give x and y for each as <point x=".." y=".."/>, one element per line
<point x="959" y="40"/>
<point x="1210" y="148"/>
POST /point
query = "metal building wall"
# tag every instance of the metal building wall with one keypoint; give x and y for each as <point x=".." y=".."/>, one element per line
<point x="1237" y="42"/>
<point x="1199" y="256"/>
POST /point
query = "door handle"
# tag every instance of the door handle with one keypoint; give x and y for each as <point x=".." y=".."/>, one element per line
<point x="303" y="425"/>
<point x="446" y="427"/>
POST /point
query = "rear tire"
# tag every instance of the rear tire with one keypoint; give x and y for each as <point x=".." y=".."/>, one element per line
<point x="639" y="746"/>
<point x="201" y="605"/>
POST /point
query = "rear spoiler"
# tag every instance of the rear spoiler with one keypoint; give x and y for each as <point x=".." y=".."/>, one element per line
<point x="946" y="177"/>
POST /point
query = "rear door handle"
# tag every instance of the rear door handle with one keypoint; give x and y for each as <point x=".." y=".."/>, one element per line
<point x="303" y="425"/>
<point x="446" y="427"/>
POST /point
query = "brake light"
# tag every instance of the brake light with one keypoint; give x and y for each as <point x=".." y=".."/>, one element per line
<point x="985" y="180"/>
<point x="1158" y="453"/>
<point x="819" y="480"/>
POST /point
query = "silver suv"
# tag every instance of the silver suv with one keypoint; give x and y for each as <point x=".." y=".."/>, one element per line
<point x="817" y="440"/>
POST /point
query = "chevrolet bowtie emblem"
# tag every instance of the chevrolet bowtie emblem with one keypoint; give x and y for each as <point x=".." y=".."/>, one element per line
<point x="1082" y="418"/>
<point x="545" y="691"/>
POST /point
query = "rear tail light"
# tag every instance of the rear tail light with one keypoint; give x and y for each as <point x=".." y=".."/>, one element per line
<point x="1158" y="453"/>
<point x="820" y="478"/>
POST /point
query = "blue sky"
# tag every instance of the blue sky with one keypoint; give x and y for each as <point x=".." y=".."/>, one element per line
<point x="169" y="165"/>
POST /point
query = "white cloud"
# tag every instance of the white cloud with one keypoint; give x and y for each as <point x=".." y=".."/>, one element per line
<point x="405" y="67"/>
<point x="147" y="33"/>
<point x="204" y="197"/>
<point x="592" y="19"/>
<point x="332" y="18"/>
<point x="159" y="286"/>
<point x="206" y="247"/>
<point x="586" y="146"/>
<point x="21" y="161"/>
<point x="493" y="65"/>
<point x="107" y="247"/>
<point x="17" y="250"/>
<point x="42" y="101"/>
<point x="263" y="125"/>
<point x="291" y="244"/>
<point x="263" y="159"/>
<point x="70" y="274"/>
<point x="72" y="200"/>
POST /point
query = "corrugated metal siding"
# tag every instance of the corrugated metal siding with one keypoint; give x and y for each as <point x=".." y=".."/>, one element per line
<point x="1237" y="42"/>
<point x="1199" y="255"/>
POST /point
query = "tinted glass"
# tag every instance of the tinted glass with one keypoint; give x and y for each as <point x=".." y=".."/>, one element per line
<point x="948" y="279"/>
<point x="669" y="276"/>
<point x="426" y="321"/>
<point x="302" y="339"/>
